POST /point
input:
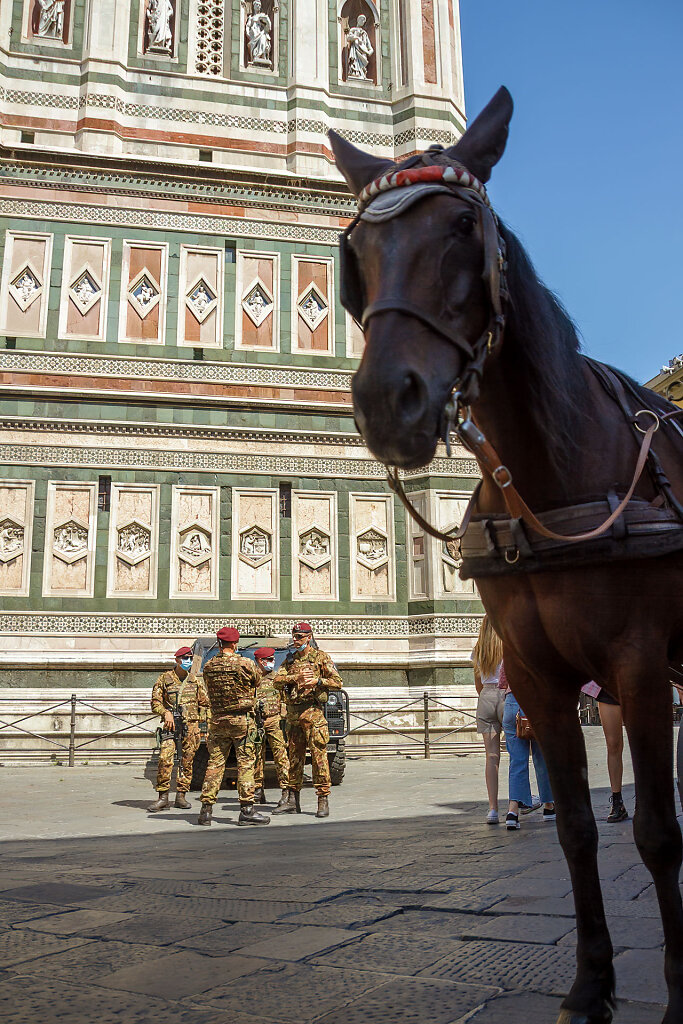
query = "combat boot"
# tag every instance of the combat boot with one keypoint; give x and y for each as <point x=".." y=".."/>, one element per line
<point x="248" y="816"/>
<point x="323" y="807"/>
<point x="284" y="798"/>
<point x="182" y="801"/>
<point x="292" y="805"/>
<point x="159" y="805"/>
<point x="259" y="795"/>
<point x="205" y="815"/>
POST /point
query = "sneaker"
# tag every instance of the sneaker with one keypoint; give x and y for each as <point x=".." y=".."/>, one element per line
<point x="549" y="813"/>
<point x="492" y="818"/>
<point x="533" y="806"/>
<point x="512" y="822"/>
<point x="617" y="810"/>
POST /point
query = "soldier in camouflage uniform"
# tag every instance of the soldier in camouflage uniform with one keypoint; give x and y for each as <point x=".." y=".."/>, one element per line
<point x="273" y="710"/>
<point x="231" y="681"/>
<point x="176" y="688"/>
<point x="305" y="678"/>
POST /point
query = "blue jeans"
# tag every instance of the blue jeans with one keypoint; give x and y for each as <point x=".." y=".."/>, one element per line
<point x="520" y="788"/>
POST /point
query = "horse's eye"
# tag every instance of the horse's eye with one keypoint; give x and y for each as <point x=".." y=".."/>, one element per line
<point x="466" y="224"/>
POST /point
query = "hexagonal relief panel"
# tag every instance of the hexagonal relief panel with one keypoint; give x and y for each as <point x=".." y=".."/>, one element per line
<point x="133" y="541"/>
<point x="194" y="544"/>
<point x="450" y="549"/>
<point x="70" y="541"/>
<point x="11" y="539"/>
<point x="315" y="547"/>
<point x="256" y="545"/>
<point x="373" y="548"/>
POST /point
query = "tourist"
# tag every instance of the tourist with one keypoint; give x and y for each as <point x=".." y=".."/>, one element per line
<point x="487" y="659"/>
<point x="613" y="727"/>
<point x="519" y="749"/>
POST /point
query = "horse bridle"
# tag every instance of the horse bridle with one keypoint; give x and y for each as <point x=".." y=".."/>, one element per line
<point x="457" y="181"/>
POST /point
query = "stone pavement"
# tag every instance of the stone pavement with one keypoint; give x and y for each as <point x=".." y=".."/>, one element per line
<point x="404" y="907"/>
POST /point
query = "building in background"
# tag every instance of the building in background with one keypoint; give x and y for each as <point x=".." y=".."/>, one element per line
<point x="669" y="381"/>
<point x="178" y="447"/>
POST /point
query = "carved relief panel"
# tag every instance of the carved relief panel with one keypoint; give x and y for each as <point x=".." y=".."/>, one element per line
<point x="207" y="37"/>
<point x="70" y="532"/>
<point x="200" y="317"/>
<point x="355" y="339"/>
<point x="25" y="284"/>
<point x="47" y="21"/>
<point x="158" y="28"/>
<point x="257" y="313"/>
<point x="16" y="528"/>
<point x="259" y="34"/>
<point x="195" y="542"/>
<point x="373" y="568"/>
<point x="359" y="38"/>
<point x="450" y="508"/>
<point x="255" y="544"/>
<point x="314" y="545"/>
<point x="85" y="288"/>
<point x="133" y="541"/>
<point x="312" y="305"/>
<point x="418" y="550"/>
<point x="142" y="313"/>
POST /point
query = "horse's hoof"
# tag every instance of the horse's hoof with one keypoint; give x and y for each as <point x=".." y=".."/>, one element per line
<point x="572" y="1017"/>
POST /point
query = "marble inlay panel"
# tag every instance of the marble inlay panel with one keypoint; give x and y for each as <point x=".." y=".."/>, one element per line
<point x="314" y="545"/>
<point x="133" y="541"/>
<point x="255" y="544"/>
<point x="373" y="562"/>
<point x="70" y="533"/>
<point x="195" y="542"/>
<point x="16" y="531"/>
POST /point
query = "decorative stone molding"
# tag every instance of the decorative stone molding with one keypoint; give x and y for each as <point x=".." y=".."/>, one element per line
<point x="207" y="42"/>
<point x="200" y="317"/>
<point x="419" y="575"/>
<point x="314" y="546"/>
<point x="195" y="533"/>
<point x="25" y="282"/>
<point x="355" y="339"/>
<point x="255" y="544"/>
<point x="133" y="541"/>
<point x="153" y="625"/>
<point x="70" y="531"/>
<point x="142" y="309"/>
<point x="371" y="533"/>
<point x="198" y="223"/>
<point x="16" y="530"/>
<point x="175" y="369"/>
<point x="448" y="510"/>
<point x="312" y="305"/>
<point x="257" y="309"/>
<point x="85" y="288"/>
<point x="218" y="462"/>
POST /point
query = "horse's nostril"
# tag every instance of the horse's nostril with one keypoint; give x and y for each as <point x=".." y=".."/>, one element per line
<point x="412" y="397"/>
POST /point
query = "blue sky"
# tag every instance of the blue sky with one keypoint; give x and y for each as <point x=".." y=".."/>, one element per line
<point x="592" y="178"/>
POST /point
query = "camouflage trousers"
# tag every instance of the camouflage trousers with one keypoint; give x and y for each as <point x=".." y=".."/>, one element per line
<point x="273" y="736"/>
<point x="167" y="754"/>
<point x="308" y="730"/>
<point x="235" y="729"/>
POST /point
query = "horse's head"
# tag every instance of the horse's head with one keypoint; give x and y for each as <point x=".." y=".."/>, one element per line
<point x="421" y="271"/>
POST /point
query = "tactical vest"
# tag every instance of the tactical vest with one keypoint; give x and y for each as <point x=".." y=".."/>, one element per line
<point x="230" y="681"/>
<point x="183" y="691"/>
<point x="268" y="695"/>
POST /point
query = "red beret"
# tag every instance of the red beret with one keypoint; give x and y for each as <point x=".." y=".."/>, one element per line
<point x="228" y="634"/>
<point x="264" y="652"/>
<point x="302" y="627"/>
<point x="183" y="650"/>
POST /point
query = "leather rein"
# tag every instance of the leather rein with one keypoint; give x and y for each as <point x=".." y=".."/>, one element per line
<point x="456" y="414"/>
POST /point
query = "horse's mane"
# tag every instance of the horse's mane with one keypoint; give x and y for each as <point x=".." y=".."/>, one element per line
<point x="545" y="349"/>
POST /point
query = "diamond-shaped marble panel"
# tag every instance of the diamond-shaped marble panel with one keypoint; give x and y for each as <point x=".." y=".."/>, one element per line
<point x="26" y="287"/>
<point x="85" y="290"/>
<point x="257" y="303"/>
<point x="201" y="300"/>
<point x="144" y="293"/>
<point x="312" y="306"/>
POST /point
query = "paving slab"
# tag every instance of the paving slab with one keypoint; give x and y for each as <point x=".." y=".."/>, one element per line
<point x="640" y="975"/>
<point x="536" y="968"/>
<point x="16" y="947"/>
<point x="344" y="913"/>
<point x="155" y="930"/>
<point x="628" y="933"/>
<point x="58" y="893"/>
<point x="520" y="928"/>
<point x="229" y="937"/>
<point x="179" y="974"/>
<point x="75" y="922"/>
<point x="88" y="961"/>
<point x="403" y="1001"/>
<point x="301" y="943"/>
<point x="394" y="954"/>
<point x="532" y="1008"/>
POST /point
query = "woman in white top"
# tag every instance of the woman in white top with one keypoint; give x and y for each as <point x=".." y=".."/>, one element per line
<point x="487" y="658"/>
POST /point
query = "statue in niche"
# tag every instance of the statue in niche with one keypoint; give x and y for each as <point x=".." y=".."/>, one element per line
<point x="51" y="20"/>
<point x="159" y="34"/>
<point x="359" y="50"/>
<point x="257" y="28"/>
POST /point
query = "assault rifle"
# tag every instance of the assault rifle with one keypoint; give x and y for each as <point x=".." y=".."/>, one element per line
<point x="178" y="733"/>
<point x="258" y="716"/>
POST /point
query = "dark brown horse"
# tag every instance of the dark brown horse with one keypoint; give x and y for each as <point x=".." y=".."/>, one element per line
<point x="455" y="315"/>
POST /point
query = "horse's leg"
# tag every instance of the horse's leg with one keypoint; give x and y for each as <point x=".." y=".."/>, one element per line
<point x="645" y="695"/>
<point x="551" y="708"/>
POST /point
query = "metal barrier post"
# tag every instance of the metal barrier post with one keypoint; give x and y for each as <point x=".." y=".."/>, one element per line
<point x="72" y="731"/>
<point x="425" y="698"/>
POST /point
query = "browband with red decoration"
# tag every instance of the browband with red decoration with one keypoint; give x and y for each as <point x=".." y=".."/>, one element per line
<point x="451" y="174"/>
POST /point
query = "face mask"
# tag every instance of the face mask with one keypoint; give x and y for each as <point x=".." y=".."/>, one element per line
<point x="302" y="647"/>
<point x="186" y="663"/>
<point x="268" y="666"/>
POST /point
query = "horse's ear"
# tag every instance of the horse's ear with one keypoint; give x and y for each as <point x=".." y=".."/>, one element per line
<point x="483" y="144"/>
<point x="358" y="168"/>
